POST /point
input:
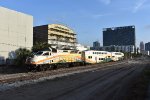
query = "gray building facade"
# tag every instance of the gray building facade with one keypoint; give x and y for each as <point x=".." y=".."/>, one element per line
<point x="142" y="46"/>
<point x="119" y="36"/>
<point x="16" y="31"/>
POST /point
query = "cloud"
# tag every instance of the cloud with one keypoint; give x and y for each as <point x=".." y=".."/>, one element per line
<point x="139" y="4"/>
<point x="147" y="27"/>
<point x="107" y="2"/>
<point x="96" y="16"/>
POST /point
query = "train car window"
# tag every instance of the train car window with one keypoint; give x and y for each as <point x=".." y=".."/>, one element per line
<point x="90" y="57"/>
<point x="46" y="54"/>
<point x="108" y="56"/>
<point x="52" y="60"/>
<point x="65" y="51"/>
<point x="79" y="52"/>
<point x="117" y="53"/>
<point x="39" y="53"/>
<point x="93" y="52"/>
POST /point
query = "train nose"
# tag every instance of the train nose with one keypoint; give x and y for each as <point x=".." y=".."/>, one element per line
<point x="28" y="60"/>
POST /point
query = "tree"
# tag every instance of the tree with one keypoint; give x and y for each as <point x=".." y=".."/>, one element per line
<point x="40" y="46"/>
<point x="21" y="55"/>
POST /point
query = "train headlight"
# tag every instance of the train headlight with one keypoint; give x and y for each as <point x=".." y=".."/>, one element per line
<point x="32" y="62"/>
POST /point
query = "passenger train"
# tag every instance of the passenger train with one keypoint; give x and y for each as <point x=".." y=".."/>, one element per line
<point x="66" y="58"/>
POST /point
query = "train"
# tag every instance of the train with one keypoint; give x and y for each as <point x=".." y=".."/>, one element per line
<point x="48" y="59"/>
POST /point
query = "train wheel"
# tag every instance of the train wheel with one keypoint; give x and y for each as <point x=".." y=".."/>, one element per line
<point x="66" y="65"/>
<point x="54" y="66"/>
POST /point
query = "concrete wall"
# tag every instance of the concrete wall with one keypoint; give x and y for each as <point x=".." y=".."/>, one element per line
<point x="16" y="30"/>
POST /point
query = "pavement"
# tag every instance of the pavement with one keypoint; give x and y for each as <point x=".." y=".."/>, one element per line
<point x="148" y="94"/>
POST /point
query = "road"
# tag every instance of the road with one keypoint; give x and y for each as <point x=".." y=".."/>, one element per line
<point x="111" y="83"/>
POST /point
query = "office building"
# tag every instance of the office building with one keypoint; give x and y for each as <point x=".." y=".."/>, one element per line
<point x="82" y="47"/>
<point x="142" y="47"/>
<point x="119" y="36"/>
<point x="96" y="45"/>
<point x="16" y="31"/>
<point x="147" y="46"/>
<point x="59" y="36"/>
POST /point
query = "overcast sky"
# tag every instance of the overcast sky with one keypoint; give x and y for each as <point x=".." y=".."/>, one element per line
<point x="88" y="17"/>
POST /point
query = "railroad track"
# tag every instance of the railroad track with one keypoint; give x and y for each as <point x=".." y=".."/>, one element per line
<point x="31" y="77"/>
<point x="117" y="75"/>
<point x="104" y="82"/>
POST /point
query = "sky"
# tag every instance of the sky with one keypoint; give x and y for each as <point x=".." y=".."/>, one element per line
<point x="88" y="17"/>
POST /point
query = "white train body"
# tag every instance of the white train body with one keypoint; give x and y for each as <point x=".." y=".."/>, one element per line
<point x="96" y="56"/>
<point x="117" y="56"/>
<point x="48" y="57"/>
<point x="68" y="57"/>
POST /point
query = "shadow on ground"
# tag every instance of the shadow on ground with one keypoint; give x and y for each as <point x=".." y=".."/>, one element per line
<point x="7" y="69"/>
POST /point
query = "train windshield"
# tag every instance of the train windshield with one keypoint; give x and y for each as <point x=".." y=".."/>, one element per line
<point x="39" y="53"/>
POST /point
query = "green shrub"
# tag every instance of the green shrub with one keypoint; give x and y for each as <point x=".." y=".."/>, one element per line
<point x="21" y="56"/>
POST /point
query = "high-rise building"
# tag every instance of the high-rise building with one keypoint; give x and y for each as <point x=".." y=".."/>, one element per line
<point x="96" y="45"/>
<point x="141" y="46"/>
<point x="147" y="46"/>
<point x="59" y="36"/>
<point x="16" y="31"/>
<point x="119" y="36"/>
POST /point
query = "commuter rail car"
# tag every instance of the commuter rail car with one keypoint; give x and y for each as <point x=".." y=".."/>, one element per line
<point x="117" y="56"/>
<point x="65" y="58"/>
<point x="93" y="56"/>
